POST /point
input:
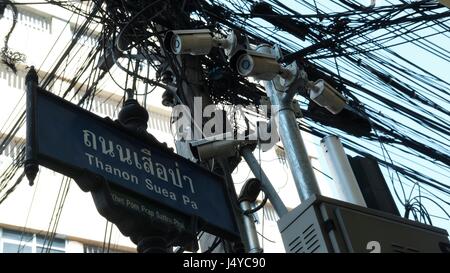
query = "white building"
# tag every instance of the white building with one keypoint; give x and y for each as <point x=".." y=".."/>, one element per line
<point x="57" y="205"/>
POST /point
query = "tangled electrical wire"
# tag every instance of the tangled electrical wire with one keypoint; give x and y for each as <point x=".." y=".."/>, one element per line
<point x="9" y="57"/>
<point x="360" y="51"/>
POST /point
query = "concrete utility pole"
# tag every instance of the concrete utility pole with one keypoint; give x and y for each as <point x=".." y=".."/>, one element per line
<point x="192" y="88"/>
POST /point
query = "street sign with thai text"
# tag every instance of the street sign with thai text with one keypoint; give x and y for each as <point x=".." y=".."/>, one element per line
<point x="71" y="140"/>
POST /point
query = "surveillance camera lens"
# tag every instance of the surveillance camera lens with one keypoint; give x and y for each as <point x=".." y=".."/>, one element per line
<point x="245" y="65"/>
<point x="175" y="43"/>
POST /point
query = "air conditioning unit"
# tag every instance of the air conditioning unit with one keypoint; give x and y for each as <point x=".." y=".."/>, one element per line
<point x="325" y="225"/>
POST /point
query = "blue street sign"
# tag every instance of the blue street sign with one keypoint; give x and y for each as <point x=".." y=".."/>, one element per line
<point x="72" y="140"/>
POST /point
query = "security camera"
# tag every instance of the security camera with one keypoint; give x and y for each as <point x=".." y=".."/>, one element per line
<point x="192" y="41"/>
<point x="326" y="96"/>
<point x="198" y="41"/>
<point x="260" y="64"/>
<point x="250" y="63"/>
<point x="206" y="149"/>
<point x="234" y="42"/>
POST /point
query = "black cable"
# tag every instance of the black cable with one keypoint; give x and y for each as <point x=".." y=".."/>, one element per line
<point x="214" y="245"/>
<point x="257" y="208"/>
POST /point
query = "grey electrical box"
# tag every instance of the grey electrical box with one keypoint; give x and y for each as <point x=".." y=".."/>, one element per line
<point x="326" y="225"/>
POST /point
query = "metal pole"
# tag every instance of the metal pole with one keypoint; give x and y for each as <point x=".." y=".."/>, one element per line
<point x="342" y="171"/>
<point x="234" y="202"/>
<point x="31" y="166"/>
<point x="291" y="138"/>
<point x="296" y="154"/>
<point x="250" y="229"/>
<point x="267" y="187"/>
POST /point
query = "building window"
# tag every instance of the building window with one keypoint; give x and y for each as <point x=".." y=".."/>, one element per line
<point x="13" y="80"/>
<point x="270" y="214"/>
<point x="12" y="241"/>
<point x="11" y="150"/>
<point x="30" y="20"/>
<point x="89" y="39"/>
<point x="97" y="249"/>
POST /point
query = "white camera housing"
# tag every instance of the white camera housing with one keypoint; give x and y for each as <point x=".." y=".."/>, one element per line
<point x="326" y="96"/>
<point x="258" y="65"/>
<point x="207" y="149"/>
<point x="261" y="64"/>
<point x="192" y="41"/>
<point x="198" y="42"/>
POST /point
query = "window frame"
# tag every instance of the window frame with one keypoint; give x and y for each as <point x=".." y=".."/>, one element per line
<point x="33" y="243"/>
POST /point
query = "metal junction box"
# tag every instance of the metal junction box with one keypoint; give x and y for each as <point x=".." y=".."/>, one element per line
<point x="325" y="225"/>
